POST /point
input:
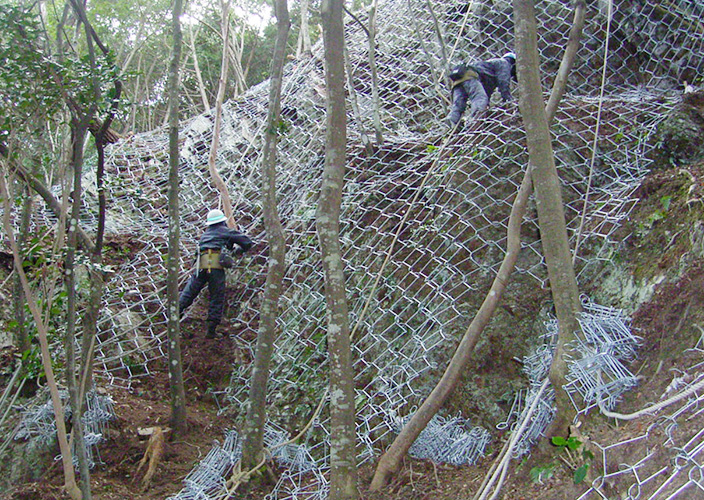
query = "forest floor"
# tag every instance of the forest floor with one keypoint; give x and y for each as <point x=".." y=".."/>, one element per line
<point x="667" y="324"/>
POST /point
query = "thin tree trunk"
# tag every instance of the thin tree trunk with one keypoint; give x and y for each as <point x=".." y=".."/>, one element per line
<point x="366" y="142"/>
<point x="304" y="45"/>
<point x="548" y="197"/>
<point x="179" y="420"/>
<point x="79" y="132"/>
<point x="560" y="83"/>
<point x="343" y="468"/>
<point x="222" y="84"/>
<point x="21" y="338"/>
<point x="375" y="80"/>
<point x="236" y="50"/>
<point x="256" y="411"/>
<point x="196" y="68"/>
<point x="70" y="484"/>
<point x="97" y="275"/>
<point x="390" y="462"/>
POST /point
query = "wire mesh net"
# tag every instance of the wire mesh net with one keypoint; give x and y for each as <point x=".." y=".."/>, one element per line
<point x="442" y="204"/>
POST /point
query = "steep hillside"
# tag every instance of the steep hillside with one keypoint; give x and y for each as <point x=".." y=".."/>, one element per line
<point x="437" y="206"/>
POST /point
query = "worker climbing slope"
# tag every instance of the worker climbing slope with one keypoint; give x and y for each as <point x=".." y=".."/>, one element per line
<point x="477" y="82"/>
<point x="215" y="244"/>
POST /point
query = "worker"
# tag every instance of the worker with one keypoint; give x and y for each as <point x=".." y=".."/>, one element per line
<point x="477" y="82"/>
<point x="216" y="239"/>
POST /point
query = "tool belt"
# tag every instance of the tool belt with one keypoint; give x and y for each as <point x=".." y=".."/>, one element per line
<point x="469" y="74"/>
<point x="210" y="259"/>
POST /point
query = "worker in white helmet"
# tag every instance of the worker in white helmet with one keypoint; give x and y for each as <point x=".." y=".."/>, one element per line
<point x="210" y="268"/>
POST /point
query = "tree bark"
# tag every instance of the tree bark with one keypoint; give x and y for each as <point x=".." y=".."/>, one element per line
<point x="304" y="45"/>
<point x="343" y="469"/>
<point x="79" y="130"/>
<point x="256" y="411"/>
<point x="179" y="420"/>
<point x="196" y="68"/>
<point x="70" y="484"/>
<point x="222" y="84"/>
<point x="18" y="298"/>
<point x="560" y="83"/>
<point x="548" y="197"/>
<point x="375" y="80"/>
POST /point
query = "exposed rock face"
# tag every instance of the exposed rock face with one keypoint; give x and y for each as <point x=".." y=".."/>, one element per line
<point x="29" y="461"/>
<point x="681" y="137"/>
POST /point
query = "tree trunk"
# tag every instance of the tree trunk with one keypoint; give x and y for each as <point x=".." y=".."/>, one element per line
<point x="343" y="469"/>
<point x="391" y="460"/>
<point x="42" y="332"/>
<point x="256" y="412"/>
<point x="222" y="84"/>
<point x="79" y="130"/>
<point x="18" y="298"/>
<point x="548" y="197"/>
<point x="196" y="68"/>
<point x="304" y="45"/>
<point x="375" y="80"/>
<point x="97" y="275"/>
<point x="178" y="394"/>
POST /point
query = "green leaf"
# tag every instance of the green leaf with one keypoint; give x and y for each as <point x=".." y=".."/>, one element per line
<point x="540" y="472"/>
<point x="581" y="473"/>
<point x="665" y="200"/>
<point x="559" y="441"/>
<point x="573" y="443"/>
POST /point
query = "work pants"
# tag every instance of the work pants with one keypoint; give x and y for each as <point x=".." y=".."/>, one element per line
<point x="215" y="278"/>
<point x="472" y="91"/>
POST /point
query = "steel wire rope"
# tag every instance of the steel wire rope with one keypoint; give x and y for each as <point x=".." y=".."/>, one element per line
<point x="500" y="466"/>
<point x="583" y="217"/>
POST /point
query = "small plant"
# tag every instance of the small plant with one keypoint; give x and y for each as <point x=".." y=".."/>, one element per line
<point x="571" y="445"/>
<point x="660" y="213"/>
<point x="541" y="473"/>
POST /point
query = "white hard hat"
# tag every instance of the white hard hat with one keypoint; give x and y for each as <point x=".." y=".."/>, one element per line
<point x="215" y="216"/>
<point x="510" y="55"/>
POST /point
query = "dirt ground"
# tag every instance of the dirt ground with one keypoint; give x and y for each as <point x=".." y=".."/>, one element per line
<point x="667" y="324"/>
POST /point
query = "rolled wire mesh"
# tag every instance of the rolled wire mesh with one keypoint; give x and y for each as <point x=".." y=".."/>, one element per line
<point x="454" y="194"/>
<point x="672" y="463"/>
<point x="39" y="422"/>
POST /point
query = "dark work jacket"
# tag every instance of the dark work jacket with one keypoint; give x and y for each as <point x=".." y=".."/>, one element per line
<point x="220" y="236"/>
<point x="496" y="73"/>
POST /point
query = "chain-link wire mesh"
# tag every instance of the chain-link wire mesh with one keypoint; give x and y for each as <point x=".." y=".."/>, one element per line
<point x="442" y="203"/>
<point x="39" y="422"/>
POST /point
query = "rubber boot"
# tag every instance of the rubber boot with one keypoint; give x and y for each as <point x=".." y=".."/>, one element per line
<point x="211" y="330"/>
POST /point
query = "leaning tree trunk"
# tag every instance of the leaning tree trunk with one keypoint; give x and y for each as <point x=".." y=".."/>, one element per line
<point x="343" y="469"/>
<point x="43" y="333"/>
<point x="391" y="460"/>
<point x="178" y="394"/>
<point x="548" y="197"/>
<point x="256" y="412"/>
